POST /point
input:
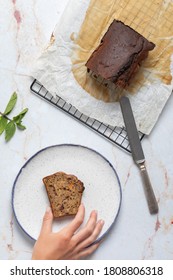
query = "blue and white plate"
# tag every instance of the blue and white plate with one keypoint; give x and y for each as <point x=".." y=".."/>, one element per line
<point x="102" y="186"/>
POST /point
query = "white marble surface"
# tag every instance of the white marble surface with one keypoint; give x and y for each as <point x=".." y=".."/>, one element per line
<point x="25" y="29"/>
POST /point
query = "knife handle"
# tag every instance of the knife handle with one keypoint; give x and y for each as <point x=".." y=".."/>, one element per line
<point x="150" y="196"/>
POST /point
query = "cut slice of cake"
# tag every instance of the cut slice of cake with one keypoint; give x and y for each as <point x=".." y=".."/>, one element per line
<point x="64" y="193"/>
<point x="119" y="54"/>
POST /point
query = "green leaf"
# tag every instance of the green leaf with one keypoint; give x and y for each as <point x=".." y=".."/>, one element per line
<point x="10" y="130"/>
<point x="17" y="119"/>
<point x="20" y="126"/>
<point x="3" y="123"/>
<point x="11" y="103"/>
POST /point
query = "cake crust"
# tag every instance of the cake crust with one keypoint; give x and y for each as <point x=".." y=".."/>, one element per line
<point x="64" y="192"/>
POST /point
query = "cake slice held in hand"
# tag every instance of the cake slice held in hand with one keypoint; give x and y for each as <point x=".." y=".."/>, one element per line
<point x="64" y="193"/>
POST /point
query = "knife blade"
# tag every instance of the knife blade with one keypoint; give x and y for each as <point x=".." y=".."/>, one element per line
<point x="137" y="152"/>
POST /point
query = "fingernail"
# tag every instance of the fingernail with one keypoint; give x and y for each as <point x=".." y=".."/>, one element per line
<point x="48" y="209"/>
<point x="102" y="222"/>
<point x="93" y="212"/>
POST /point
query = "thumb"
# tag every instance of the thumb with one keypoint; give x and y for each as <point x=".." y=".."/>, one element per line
<point x="47" y="221"/>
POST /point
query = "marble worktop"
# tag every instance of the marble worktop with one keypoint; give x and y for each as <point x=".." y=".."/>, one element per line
<point x="25" y="29"/>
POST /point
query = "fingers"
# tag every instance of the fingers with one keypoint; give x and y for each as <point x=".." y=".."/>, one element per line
<point x="47" y="221"/>
<point x="86" y="252"/>
<point x="77" y="221"/>
<point x="91" y="238"/>
<point x="88" y="229"/>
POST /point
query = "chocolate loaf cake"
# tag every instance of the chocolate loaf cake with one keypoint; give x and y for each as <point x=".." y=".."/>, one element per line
<point x="119" y="54"/>
<point x="64" y="193"/>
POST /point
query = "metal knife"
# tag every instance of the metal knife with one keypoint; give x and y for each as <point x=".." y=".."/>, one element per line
<point x="137" y="152"/>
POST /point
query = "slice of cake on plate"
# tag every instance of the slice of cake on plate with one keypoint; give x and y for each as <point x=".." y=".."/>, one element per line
<point x="64" y="193"/>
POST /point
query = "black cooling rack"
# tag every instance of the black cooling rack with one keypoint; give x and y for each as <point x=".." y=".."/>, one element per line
<point x="116" y="135"/>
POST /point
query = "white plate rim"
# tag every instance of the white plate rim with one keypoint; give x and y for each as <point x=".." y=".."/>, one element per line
<point x="66" y="145"/>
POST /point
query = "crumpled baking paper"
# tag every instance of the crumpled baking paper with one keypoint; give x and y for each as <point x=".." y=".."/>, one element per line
<point x="53" y="69"/>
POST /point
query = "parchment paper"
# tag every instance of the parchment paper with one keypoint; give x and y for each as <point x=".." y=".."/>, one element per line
<point x="57" y="66"/>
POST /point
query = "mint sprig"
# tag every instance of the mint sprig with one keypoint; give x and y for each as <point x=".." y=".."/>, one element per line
<point x="11" y="103"/>
<point x="3" y="123"/>
<point x="10" y="130"/>
<point x="9" y="125"/>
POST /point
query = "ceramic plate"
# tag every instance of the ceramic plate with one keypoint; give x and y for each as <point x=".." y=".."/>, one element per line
<point x="102" y="186"/>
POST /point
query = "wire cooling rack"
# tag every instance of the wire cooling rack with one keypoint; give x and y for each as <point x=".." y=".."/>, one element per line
<point x="116" y="135"/>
